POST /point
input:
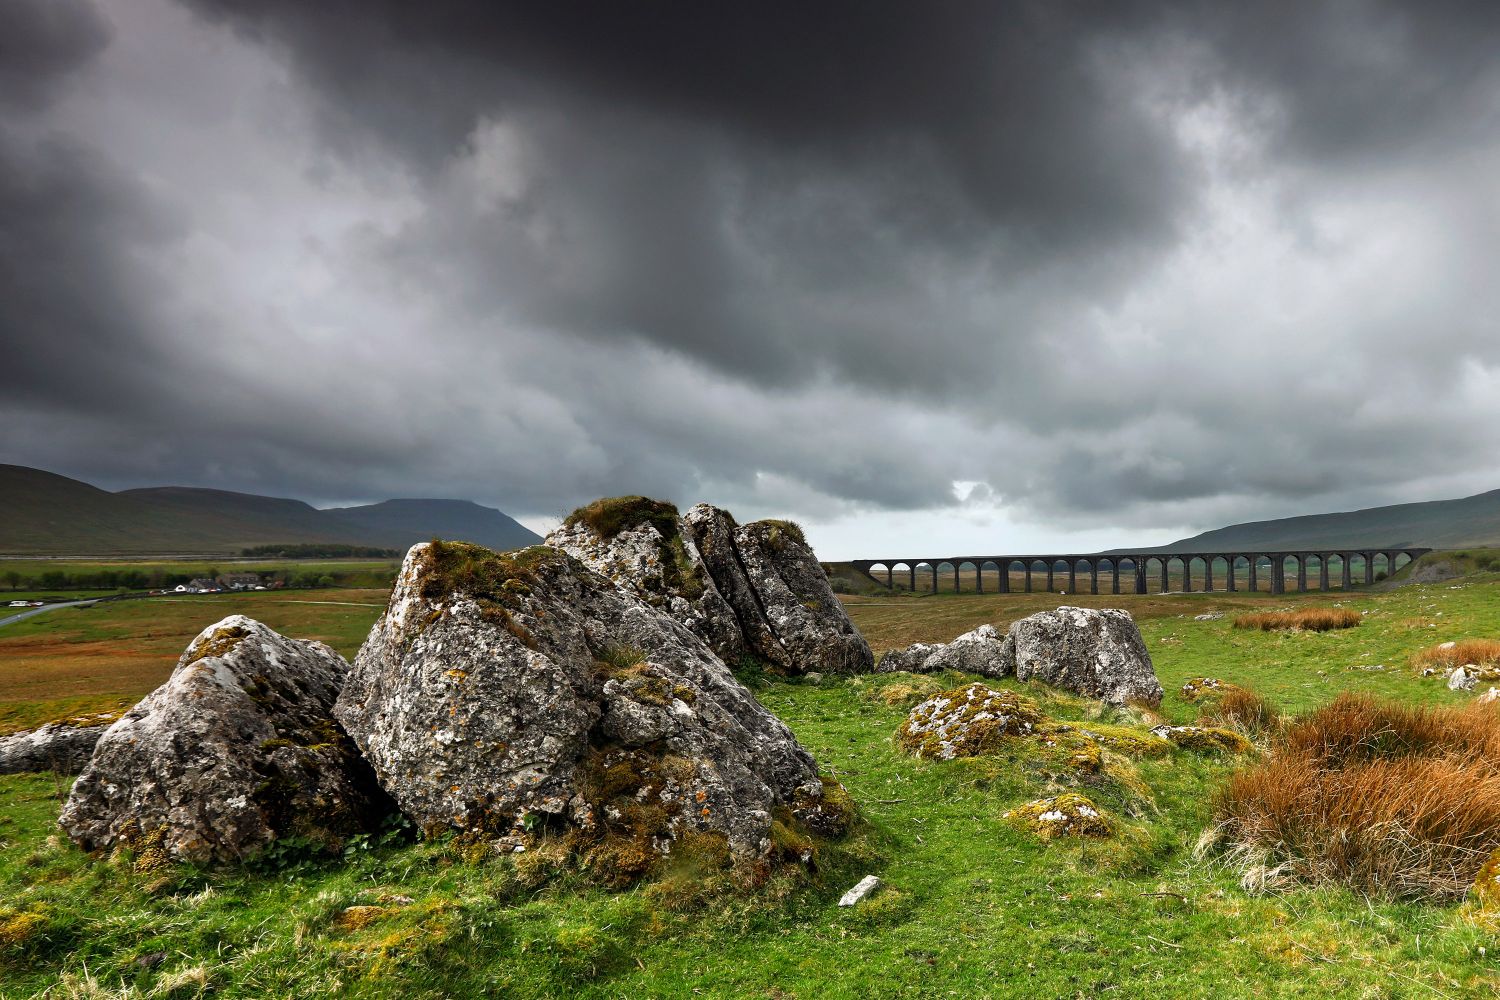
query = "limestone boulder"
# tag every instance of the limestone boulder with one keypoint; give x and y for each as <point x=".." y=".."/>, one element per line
<point x="982" y="651"/>
<point x="1095" y="652"/>
<point x="500" y="694"/>
<point x="640" y="545"/>
<point x="754" y="589"/>
<point x="788" y="613"/>
<point x="64" y="747"/>
<point x="235" y="751"/>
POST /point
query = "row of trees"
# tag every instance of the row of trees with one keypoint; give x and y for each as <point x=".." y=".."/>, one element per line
<point x="152" y="579"/>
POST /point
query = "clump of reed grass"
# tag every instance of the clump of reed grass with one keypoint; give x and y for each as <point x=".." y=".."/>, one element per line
<point x="1391" y="799"/>
<point x="1444" y="657"/>
<point x="1301" y="620"/>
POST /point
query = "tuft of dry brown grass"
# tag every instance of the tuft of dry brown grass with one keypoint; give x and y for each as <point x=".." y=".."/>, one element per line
<point x="1444" y="657"/>
<point x="1301" y="620"/>
<point x="1243" y="710"/>
<point x="1388" y="798"/>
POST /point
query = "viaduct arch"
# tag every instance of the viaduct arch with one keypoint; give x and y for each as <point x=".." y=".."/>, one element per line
<point x="1142" y="570"/>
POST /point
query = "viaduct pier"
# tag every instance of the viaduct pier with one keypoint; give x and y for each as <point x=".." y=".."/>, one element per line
<point x="1145" y="568"/>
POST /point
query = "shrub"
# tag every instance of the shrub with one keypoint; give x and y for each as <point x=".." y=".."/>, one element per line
<point x="1303" y="620"/>
<point x="1387" y="798"/>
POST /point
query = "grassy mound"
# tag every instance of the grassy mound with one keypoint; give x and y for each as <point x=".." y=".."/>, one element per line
<point x="1066" y="815"/>
<point x="1393" y="799"/>
<point x="609" y="516"/>
<point x="1301" y="620"/>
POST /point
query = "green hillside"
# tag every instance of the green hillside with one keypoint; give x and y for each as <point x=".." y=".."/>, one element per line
<point x="42" y="513"/>
<point x="1471" y="521"/>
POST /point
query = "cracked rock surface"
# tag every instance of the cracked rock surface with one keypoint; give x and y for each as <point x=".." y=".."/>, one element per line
<point x="237" y="749"/>
<point x="754" y="589"/>
<point x="499" y="692"/>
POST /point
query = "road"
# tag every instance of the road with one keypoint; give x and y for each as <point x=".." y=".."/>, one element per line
<point x="36" y="611"/>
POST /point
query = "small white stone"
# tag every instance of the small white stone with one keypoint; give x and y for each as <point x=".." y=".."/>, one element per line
<point x="862" y="890"/>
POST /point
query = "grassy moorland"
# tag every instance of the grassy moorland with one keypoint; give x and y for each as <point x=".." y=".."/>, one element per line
<point x="105" y="657"/>
<point x="974" y="906"/>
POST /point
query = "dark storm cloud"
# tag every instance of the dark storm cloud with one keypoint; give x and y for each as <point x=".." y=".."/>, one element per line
<point x="1138" y="264"/>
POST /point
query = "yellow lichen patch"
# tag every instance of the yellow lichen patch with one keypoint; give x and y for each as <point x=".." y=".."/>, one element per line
<point x="966" y="722"/>
<point x="217" y="643"/>
<point x="1125" y="740"/>
<point x="356" y="918"/>
<point x="1066" y="815"/>
<point x="1483" y="905"/>
<point x="1203" y="687"/>
<point x="902" y="693"/>
<point x="1205" y="739"/>
<point x="17" y="929"/>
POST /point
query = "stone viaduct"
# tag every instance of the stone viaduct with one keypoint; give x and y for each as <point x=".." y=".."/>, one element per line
<point x="1072" y="568"/>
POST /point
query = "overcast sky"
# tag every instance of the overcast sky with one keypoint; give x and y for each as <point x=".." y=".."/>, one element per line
<point x="923" y="276"/>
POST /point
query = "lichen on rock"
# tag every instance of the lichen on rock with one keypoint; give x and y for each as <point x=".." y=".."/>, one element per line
<point x="752" y="590"/>
<point x="1096" y="652"/>
<point x="1066" y="815"/>
<point x="1205" y="739"/>
<point x="611" y="722"/>
<point x="982" y="651"/>
<point x="966" y="722"/>
<point x="235" y="751"/>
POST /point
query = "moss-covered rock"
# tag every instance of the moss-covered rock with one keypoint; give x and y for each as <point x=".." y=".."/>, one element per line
<point x="967" y="722"/>
<point x="1205" y="739"/>
<point x="1066" y="815"/>
<point x="237" y="750"/>
<point x="584" y="713"/>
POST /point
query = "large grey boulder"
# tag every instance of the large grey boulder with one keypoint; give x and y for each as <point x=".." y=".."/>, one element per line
<point x="640" y="545"/>
<point x="787" y="611"/>
<point x="982" y="651"/>
<point x="744" y="589"/>
<point x="236" y="750"/>
<point x="1095" y="652"/>
<point x="64" y="747"/>
<point x="502" y="693"/>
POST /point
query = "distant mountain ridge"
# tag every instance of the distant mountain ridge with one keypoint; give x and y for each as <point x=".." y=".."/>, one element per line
<point x="1442" y="524"/>
<point x="43" y="513"/>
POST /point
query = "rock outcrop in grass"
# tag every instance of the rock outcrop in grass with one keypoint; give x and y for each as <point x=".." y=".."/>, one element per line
<point x="64" y="747"/>
<point x="1066" y="815"/>
<point x="505" y="694"/>
<point x="982" y="651"/>
<point x="755" y="589"/>
<point x="1095" y="652"/>
<point x="966" y="722"/>
<point x="236" y="750"/>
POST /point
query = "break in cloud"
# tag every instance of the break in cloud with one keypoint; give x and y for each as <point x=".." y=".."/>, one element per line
<point x="937" y="275"/>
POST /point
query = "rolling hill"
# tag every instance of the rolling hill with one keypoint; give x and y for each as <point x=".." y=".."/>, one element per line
<point x="1471" y="521"/>
<point x="42" y="513"/>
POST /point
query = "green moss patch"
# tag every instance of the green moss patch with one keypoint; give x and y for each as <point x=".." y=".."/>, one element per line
<point x="609" y="516"/>
<point x="1066" y="815"/>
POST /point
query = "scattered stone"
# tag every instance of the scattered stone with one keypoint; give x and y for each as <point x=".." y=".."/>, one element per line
<point x="966" y="722"/>
<point x="1095" y="652"/>
<point x="1212" y="617"/>
<point x="1447" y="645"/>
<point x="64" y="747"/>
<point x="1066" y="815"/>
<point x="1198" y="687"/>
<point x="1210" y="739"/>
<point x="983" y="651"/>
<point x="1461" y="680"/>
<point x="499" y="694"/>
<point x="1492" y="695"/>
<point x="813" y="678"/>
<point x="862" y="890"/>
<point x="235" y="750"/>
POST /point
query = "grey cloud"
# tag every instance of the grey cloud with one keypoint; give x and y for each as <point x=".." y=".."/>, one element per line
<point x="1119" y="264"/>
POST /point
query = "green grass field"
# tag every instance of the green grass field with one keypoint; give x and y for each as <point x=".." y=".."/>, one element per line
<point x="973" y="906"/>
